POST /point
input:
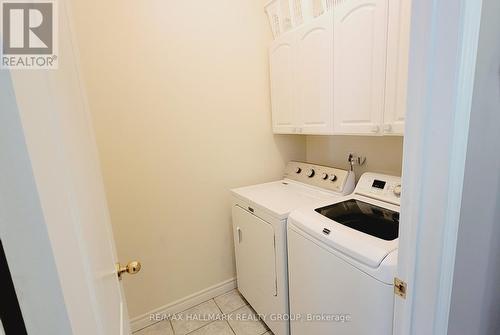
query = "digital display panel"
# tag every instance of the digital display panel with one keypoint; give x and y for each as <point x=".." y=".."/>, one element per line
<point x="378" y="184"/>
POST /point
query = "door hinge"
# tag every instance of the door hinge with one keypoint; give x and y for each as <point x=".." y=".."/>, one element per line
<point x="400" y="288"/>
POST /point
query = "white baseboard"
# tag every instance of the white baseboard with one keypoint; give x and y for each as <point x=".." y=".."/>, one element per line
<point x="180" y="305"/>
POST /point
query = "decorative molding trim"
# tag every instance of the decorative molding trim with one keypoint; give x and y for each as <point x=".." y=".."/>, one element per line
<point x="182" y="304"/>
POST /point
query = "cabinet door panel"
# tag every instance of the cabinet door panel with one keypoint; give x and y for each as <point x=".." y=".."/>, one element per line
<point x="255" y="258"/>
<point x="281" y="57"/>
<point x="360" y="43"/>
<point x="314" y="76"/>
<point x="398" y="39"/>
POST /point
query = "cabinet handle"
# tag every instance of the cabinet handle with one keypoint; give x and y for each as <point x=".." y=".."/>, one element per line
<point x="375" y="129"/>
<point x="238" y="231"/>
<point x="388" y="128"/>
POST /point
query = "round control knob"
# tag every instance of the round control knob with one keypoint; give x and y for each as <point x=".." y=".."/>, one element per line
<point x="298" y="170"/>
<point x="324" y="176"/>
<point x="397" y="190"/>
<point x="310" y="173"/>
<point x="333" y="177"/>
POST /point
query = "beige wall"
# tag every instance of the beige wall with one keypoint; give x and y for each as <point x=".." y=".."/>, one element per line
<point x="383" y="154"/>
<point x="179" y="95"/>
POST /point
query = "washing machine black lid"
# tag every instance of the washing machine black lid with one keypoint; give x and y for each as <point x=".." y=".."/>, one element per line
<point x="362" y="216"/>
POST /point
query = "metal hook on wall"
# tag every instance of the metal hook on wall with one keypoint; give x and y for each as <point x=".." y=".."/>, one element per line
<point x="353" y="159"/>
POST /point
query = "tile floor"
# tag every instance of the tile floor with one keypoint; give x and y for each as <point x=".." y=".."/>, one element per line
<point x="227" y="314"/>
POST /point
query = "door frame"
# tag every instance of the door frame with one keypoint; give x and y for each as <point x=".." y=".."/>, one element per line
<point x="443" y="48"/>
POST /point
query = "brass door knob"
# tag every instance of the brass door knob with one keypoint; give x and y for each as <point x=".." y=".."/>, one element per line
<point x="131" y="268"/>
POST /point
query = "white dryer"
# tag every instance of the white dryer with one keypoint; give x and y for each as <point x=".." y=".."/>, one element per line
<point x="260" y="215"/>
<point x="342" y="257"/>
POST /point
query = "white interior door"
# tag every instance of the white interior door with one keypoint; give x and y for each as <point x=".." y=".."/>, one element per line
<point x="63" y="158"/>
<point x="360" y="43"/>
<point x="440" y="99"/>
<point x="314" y="76"/>
<point x="255" y="258"/>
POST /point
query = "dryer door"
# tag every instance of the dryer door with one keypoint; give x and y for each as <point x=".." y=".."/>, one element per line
<point x="254" y="242"/>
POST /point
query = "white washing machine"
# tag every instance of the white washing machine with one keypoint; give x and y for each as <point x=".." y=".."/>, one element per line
<point x="260" y="215"/>
<point x="342" y="257"/>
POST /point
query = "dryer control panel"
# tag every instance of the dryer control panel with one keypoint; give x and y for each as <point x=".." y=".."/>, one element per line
<point x="330" y="178"/>
<point x="380" y="186"/>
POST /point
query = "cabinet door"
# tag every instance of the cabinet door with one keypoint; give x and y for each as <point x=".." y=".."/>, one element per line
<point x="398" y="39"/>
<point x="360" y="43"/>
<point x="281" y="59"/>
<point x="314" y="76"/>
<point x="255" y="258"/>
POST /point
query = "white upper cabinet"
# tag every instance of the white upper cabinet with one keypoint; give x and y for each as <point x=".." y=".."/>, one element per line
<point x="314" y="76"/>
<point x="281" y="56"/>
<point x="360" y="36"/>
<point x="398" y="42"/>
<point x="343" y="72"/>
